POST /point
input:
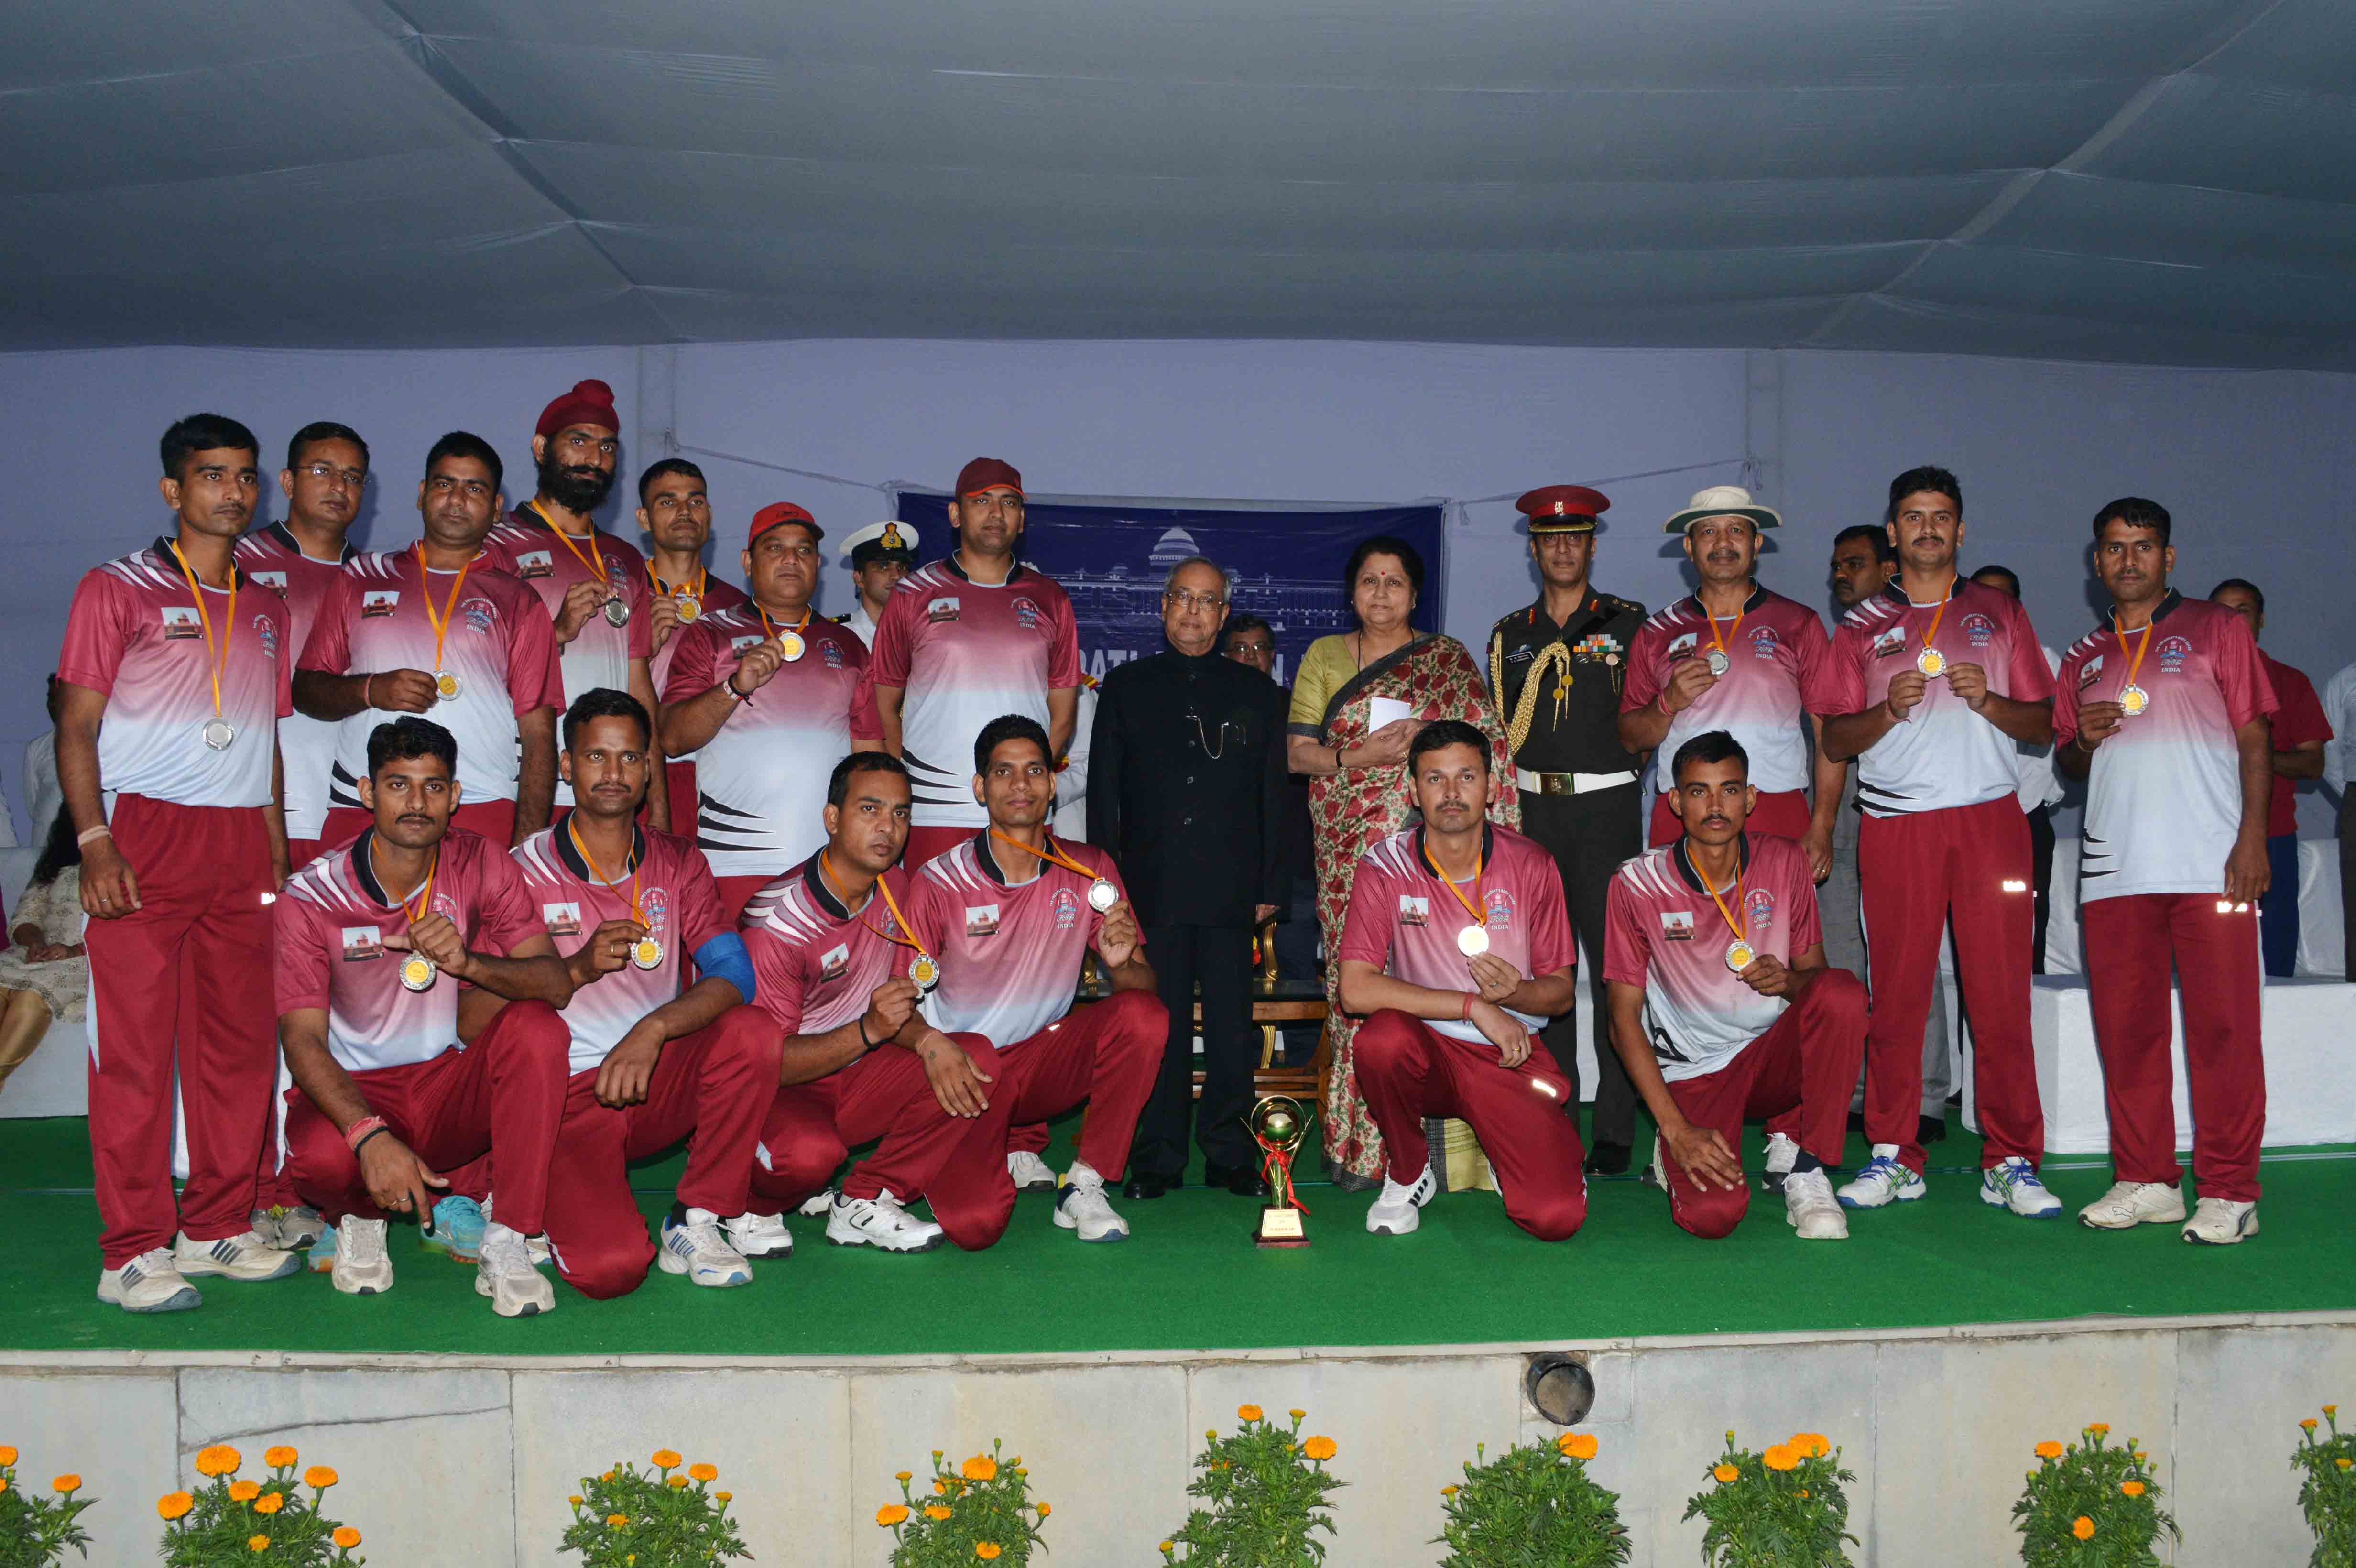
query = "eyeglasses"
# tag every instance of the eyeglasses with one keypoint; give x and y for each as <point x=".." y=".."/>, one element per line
<point x="1250" y="650"/>
<point x="1187" y="599"/>
<point x="325" y="472"/>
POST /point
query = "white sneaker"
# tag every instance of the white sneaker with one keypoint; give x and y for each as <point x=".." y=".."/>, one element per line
<point x="1782" y="1153"/>
<point x="1883" y="1180"/>
<point x="2131" y="1203"/>
<point x="246" y="1257"/>
<point x="817" y="1206"/>
<point x="535" y="1244"/>
<point x="1394" y="1210"/>
<point x="2012" y="1184"/>
<point x="363" y="1263"/>
<point x="148" y="1283"/>
<point x="699" y="1251"/>
<point x="1031" y="1173"/>
<point x="1083" y="1207"/>
<point x="1810" y="1208"/>
<point x="880" y="1222"/>
<point x="760" y="1235"/>
<point x="1656" y="1173"/>
<point x="2222" y="1222"/>
<point x="506" y="1274"/>
<point x="288" y="1229"/>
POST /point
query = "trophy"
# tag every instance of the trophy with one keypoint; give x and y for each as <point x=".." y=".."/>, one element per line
<point x="1279" y="1126"/>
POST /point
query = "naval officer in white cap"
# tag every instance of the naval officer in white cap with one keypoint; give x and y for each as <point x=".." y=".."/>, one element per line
<point x="879" y="555"/>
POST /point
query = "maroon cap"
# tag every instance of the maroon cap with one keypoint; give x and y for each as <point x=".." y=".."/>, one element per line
<point x="776" y="512"/>
<point x="987" y="474"/>
<point x="589" y="402"/>
<point x="1563" y="508"/>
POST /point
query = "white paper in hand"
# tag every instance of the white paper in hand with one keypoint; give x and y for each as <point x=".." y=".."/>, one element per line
<point x="1383" y="710"/>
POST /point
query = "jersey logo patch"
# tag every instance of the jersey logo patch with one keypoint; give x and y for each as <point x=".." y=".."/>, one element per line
<point x="981" y="920"/>
<point x="1759" y="909"/>
<point x="655" y="905"/>
<point x="265" y="631"/>
<point x="1889" y="642"/>
<point x="2172" y="655"/>
<point x="834" y="964"/>
<point x="1979" y="629"/>
<point x="481" y="613"/>
<point x="180" y="621"/>
<point x="1068" y="909"/>
<point x="832" y="655"/>
<point x="1413" y="910"/>
<point x="1676" y="926"/>
<point x="941" y="610"/>
<point x="270" y="580"/>
<point x="533" y="563"/>
<point x="1500" y="907"/>
<point x="1764" y="643"/>
<point x="1026" y="615"/>
<point x="379" y="602"/>
<point x="561" y="919"/>
<point x="362" y="942"/>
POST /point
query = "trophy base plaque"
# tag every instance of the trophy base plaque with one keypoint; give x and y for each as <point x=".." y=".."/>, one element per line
<point x="1280" y="1228"/>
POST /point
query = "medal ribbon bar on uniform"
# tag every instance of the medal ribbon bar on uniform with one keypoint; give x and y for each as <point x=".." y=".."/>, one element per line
<point x="217" y="658"/>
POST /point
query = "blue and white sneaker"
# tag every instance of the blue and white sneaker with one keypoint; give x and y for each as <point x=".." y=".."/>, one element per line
<point x="323" y="1251"/>
<point x="456" y="1230"/>
<point x="151" y="1282"/>
<point x="242" y="1257"/>
<point x="2012" y="1184"/>
<point x="1882" y="1181"/>
<point x="696" y="1249"/>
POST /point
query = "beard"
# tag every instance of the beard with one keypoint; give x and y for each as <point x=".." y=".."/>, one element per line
<point x="576" y="490"/>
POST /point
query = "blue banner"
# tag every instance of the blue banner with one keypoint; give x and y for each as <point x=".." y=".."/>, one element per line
<point x="1285" y="565"/>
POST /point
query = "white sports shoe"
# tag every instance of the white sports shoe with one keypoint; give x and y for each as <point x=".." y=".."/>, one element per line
<point x="760" y="1235"/>
<point x="699" y="1251"/>
<point x="1082" y="1207"/>
<point x="246" y="1257"/>
<point x="535" y="1244"/>
<point x="817" y="1205"/>
<point x="880" y="1222"/>
<point x="2222" y="1222"/>
<point x="2131" y="1203"/>
<point x="1782" y="1153"/>
<point x="1883" y="1180"/>
<point x="506" y="1274"/>
<point x="287" y="1229"/>
<point x="1031" y="1173"/>
<point x="148" y="1283"/>
<point x="1394" y="1210"/>
<point x="1810" y="1208"/>
<point x="1656" y="1172"/>
<point x="363" y="1263"/>
<point x="2012" y="1184"/>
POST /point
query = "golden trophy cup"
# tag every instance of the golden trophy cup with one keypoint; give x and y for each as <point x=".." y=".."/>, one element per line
<point x="1278" y="1126"/>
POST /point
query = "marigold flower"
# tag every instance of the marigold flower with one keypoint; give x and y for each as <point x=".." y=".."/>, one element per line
<point x="1247" y="1413"/>
<point x="8" y="1455"/>
<point x="3" y="1486"/>
<point x="891" y="1514"/>
<point x="2343" y="1462"/>
<point x="2099" y="1428"/>
<point x="1804" y="1494"/>
<point x="1319" y="1448"/>
<point x="935" y="1513"/>
<point x="1725" y="1473"/>
<point x="244" y="1491"/>
<point x="319" y="1477"/>
<point x="1045" y="1510"/>
<point x="986" y="1551"/>
<point x="174" y="1505"/>
<point x="67" y="1484"/>
<point x="1450" y="1491"/>
<point x="2131" y="1488"/>
<point x="1207" y="1433"/>
<point x="220" y="1459"/>
<point x="2308" y="1425"/>
<point x="1298" y="1414"/>
<point x="901" y="1476"/>
<point x="280" y="1456"/>
<point x="2331" y="1410"/>
<point x="575" y="1501"/>
<point x="704" y="1472"/>
<point x="1812" y="1445"/>
<point x="1577" y="1444"/>
<point x="1163" y="1548"/>
<point x="981" y="1468"/>
<point x="678" y="1481"/>
<point x="725" y="1497"/>
<point x="2049" y="1449"/>
<point x="940" y="1487"/>
<point x="346" y="1537"/>
<point x="2082" y="1527"/>
<point x="665" y="1459"/>
<point x="617" y="1520"/>
<point x="1779" y="1457"/>
<point x="257" y="1543"/>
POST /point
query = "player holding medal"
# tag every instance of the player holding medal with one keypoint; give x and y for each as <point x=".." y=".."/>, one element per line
<point x="675" y="514"/>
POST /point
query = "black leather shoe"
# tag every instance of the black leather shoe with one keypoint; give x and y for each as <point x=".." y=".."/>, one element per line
<point x="1142" y="1186"/>
<point x="1243" y="1180"/>
<point x="1609" y="1160"/>
<point x="1930" y="1129"/>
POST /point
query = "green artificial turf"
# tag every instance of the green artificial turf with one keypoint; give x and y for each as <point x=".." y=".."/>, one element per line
<point x="1189" y="1277"/>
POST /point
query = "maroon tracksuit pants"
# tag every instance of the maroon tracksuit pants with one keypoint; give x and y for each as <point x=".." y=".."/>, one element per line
<point x="1409" y="1070"/>
<point x="2130" y="942"/>
<point x="1797" y="1075"/>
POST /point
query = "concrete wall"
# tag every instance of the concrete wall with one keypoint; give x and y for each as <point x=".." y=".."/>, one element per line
<point x="467" y="1464"/>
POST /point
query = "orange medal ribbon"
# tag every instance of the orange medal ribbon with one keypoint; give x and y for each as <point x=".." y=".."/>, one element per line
<point x="1731" y="632"/>
<point x="593" y="561"/>
<point x="598" y="871"/>
<point x="1050" y="854"/>
<point x="418" y="972"/>
<point x="1930" y="660"/>
<point x="217" y="656"/>
<point x="1740" y="947"/>
<point x="1474" y="938"/>
<point x="925" y="969"/>
<point x="2133" y="699"/>
<point x="439" y="619"/>
<point x="693" y="590"/>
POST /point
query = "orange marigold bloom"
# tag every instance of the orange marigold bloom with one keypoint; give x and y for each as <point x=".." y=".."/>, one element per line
<point x="617" y="1520"/>
<point x="1779" y="1457"/>
<point x="901" y="1476"/>
<point x="575" y="1501"/>
<point x="1577" y="1444"/>
<point x="3" y="1486"/>
<point x="2308" y="1424"/>
<point x="725" y="1497"/>
<point x="1045" y="1510"/>
<point x="940" y="1487"/>
<point x="8" y="1455"/>
<point x="1812" y="1445"/>
<point x="220" y="1459"/>
<point x="2099" y="1428"/>
<point x="2343" y="1462"/>
<point x="257" y="1543"/>
<point x="2049" y="1449"/>
<point x="2131" y="1488"/>
<point x="676" y="1481"/>
<point x="67" y="1484"/>
<point x="319" y="1477"/>
<point x="244" y="1491"/>
<point x="2082" y="1527"/>
<point x="1247" y="1413"/>
<point x="346" y="1537"/>
<point x="1319" y="1448"/>
<point x="1725" y="1473"/>
<point x="1298" y="1414"/>
<point x="2331" y="1410"/>
<point x="665" y="1459"/>
<point x="935" y="1511"/>
<point x="704" y="1472"/>
<point x="987" y="1551"/>
<point x="891" y="1514"/>
<point x="270" y="1504"/>
<point x="1804" y="1494"/>
<point x="981" y="1468"/>
<point x="279" y="1457"/>
<point x="1450" y="1491"/>
<point x="174" y="1505"/>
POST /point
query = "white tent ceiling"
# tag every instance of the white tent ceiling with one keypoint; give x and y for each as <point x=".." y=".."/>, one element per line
<point x="2161" y="181"/>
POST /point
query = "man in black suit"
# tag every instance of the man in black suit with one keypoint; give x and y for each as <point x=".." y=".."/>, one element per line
<point x="1186" y="789"/>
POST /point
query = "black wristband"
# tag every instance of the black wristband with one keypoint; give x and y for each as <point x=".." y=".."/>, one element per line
<point x="865" y="1044"/>
<point x="371" y="1133"/>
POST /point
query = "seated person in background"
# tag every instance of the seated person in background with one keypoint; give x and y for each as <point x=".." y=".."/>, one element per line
<point x="1456" y="950"/>
<point x="1009" y="913"/>
<point x="374" y="943"/>
<point x="831" y="948"/>
<point x="44" y="974"/>
<point x="658" y="1058"/>
<point x="1722" y="1007"/>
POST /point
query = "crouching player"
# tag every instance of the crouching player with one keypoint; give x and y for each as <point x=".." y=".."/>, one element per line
<point x="1722" y="1007"/>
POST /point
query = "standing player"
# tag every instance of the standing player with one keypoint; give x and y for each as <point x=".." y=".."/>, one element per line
<point x="1735" y="658"/>
<point x="879" y="556"/>
<point x="2299" y="733"/>
<point x="1457" y="950"/>
<point x="655" y="1060"/>
<point x="832" y="951"/>
<point x="1931" y="684"/>
<point x="1722" y="1007"/>
<point x="677" y="516"/>
<point x="1007" y="915"/>
<point x="2165" y="713"/>
<point x="436" y="629"/>
<point x="171" y="683"/>
<point x="766" y="698"/>
<point x="963" y="641"/>
<point x="376" y="943"/>
<point x="594" y="587"/>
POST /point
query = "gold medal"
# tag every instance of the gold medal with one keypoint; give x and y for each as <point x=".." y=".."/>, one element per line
<point x="1473" y="940"/>
<point x="790" y="644"/>
<point x="1740" y="956"/>
<point x="447" y="685"/>
<point x="647" y="952"/>
<point x="2132" y="701"/>
<point x="689" y="607"/>
<point x="925" y="970"/>
<point x="418" y="972"/>
<point x="1931" y="662"/>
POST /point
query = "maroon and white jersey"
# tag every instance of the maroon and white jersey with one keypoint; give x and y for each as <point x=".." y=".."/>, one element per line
<point x="1010" y="953"/>
<point x="965" y="653"/>
<point x="525" y="546"/>
<point x="329" y="926"/>
<point x="814" y="963"/>
<point x="1404" y="921"/>
<point x="133" y="634"/>
<point x="716" y="596"/>
<point x="675" y="896"/>
<point x="2164" y="791"/>
<point x="1772" y="650"/>
<point x="1662" y="931"/>
<point x="498" y="643"/>
<point x="1944" y="754"/>
<point x="307" y="746"/>
<point x="762" y="776"/>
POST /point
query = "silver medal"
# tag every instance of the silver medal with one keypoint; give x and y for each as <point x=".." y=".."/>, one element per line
<point x="1102" y="895"/>
<point x="219" y="733"/>
<point x="1717" y="660"/>
<point x="1473" y="940"/>
<point x="617" y="612"/>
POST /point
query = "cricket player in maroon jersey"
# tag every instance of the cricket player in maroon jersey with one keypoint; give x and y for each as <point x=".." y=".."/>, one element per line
<point x="2164" y="713"/>
<point x="435" y="628"/>
<point x="594" y="587"/>
<point x="1008" y="914"/>
<point x="1739" y="658"/>
<point x="676" y="513"/>
<point x="969" y="637"/>
<point x="655" y="1060"/>
<point x="768" y="697"/>
<point x="376" y="942"/>
<point x="833" y="950"/>
<point x="172" y="679"/>
<point x="1456" y="951"/>
<point x="1722" y="1007"/>
<point x="1931" y="684"/>
<point x="2300" y="730"/>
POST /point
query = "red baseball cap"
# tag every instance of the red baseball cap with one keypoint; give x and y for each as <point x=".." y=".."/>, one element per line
<point x="589" y="402"/>
<point x="776" y="512"/>
<point x="987" y="474"/>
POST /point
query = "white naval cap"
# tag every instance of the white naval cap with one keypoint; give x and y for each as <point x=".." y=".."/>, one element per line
<point x="890" y="537"/>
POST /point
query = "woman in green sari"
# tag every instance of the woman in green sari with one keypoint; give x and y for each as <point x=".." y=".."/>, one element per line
<point x="1357" y="699"/>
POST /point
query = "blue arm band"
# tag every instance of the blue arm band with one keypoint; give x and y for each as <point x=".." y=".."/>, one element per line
<point x="724" y="958"/>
